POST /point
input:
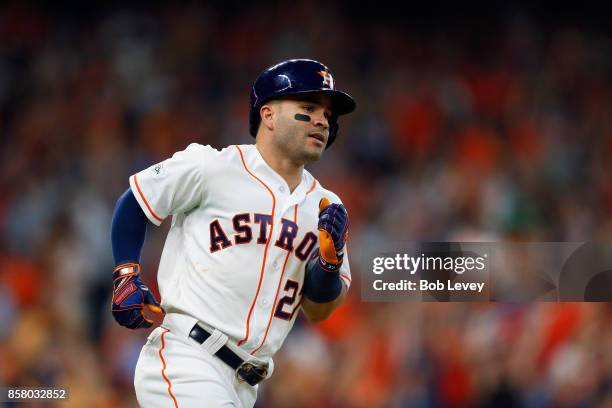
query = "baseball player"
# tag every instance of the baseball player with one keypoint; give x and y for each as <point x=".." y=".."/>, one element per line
<point x="254" y="237"/>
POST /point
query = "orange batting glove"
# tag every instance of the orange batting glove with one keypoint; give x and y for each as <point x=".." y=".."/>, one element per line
<point x="333" y="233"/>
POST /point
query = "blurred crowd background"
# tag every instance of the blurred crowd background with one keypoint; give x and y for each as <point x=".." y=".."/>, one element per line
<point x="467" y="128"/>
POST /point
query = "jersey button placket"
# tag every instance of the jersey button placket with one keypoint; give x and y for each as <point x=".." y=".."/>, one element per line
<point x="265" y="302"/>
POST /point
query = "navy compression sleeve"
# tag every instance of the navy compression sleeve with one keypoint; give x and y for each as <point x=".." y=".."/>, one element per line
<point x="321" y="286"/>
<point x="128" y="229"/>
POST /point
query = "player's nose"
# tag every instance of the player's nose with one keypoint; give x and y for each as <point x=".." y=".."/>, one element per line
<point x="320" y="120"/>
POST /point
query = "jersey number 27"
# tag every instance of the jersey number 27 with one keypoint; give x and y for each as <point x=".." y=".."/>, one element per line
<point x="287" y="306"/>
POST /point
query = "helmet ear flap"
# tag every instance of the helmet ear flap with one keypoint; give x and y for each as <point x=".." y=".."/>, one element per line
<point x="254" y="120"/>
<point x="333" y="130"/>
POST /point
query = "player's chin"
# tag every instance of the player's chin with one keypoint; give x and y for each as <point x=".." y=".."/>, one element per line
<point x="314" y="148"/>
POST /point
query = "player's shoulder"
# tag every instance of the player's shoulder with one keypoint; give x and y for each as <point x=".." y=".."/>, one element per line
<point x="198" y="148"/>
<point x="195" y="151"/>
<point x="205" y="153"/>
<point x="318" y="191"/>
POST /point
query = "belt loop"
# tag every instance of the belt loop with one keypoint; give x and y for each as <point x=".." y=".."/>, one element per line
<point x="216" y="340"/>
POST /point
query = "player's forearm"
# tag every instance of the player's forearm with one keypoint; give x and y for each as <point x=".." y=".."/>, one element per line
<point x="316" y="312"/>
<point x="323" y="290"/>
<point x="128" y="229"/>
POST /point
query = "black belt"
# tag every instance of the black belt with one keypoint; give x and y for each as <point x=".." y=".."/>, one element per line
<point x="247" y="371"/>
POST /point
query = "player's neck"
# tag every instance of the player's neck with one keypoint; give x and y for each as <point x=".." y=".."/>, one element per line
<point x="290" y="171"/>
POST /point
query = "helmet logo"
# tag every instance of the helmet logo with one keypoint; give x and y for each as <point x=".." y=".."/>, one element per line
<point x="282" y="82"/>
<point x="328" y="79"/>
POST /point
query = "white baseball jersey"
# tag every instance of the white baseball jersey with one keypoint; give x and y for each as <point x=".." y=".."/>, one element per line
<point x="239" y="241"/>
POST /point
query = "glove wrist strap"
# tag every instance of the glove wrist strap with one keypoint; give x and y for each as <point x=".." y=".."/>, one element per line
<point x="125" y="270"/>
<point x="329" y="267"/>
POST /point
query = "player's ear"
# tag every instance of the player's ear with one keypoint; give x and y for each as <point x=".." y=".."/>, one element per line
<point x="267" y="114"/>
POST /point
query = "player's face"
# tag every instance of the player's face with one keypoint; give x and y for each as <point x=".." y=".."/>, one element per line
<point x="302" y="128"/>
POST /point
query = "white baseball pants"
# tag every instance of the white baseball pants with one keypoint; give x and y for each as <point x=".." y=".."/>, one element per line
<point x="174" y="371"/>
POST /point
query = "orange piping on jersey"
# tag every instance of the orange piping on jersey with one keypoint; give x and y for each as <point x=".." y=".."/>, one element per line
<point x="263" y="263"/>
<point x="145" y="200"/>
<point x="164" y="368"/>
<point x="280" y="281"/>
<point x="346" y="277"/>
<point x="314" y="184"/>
